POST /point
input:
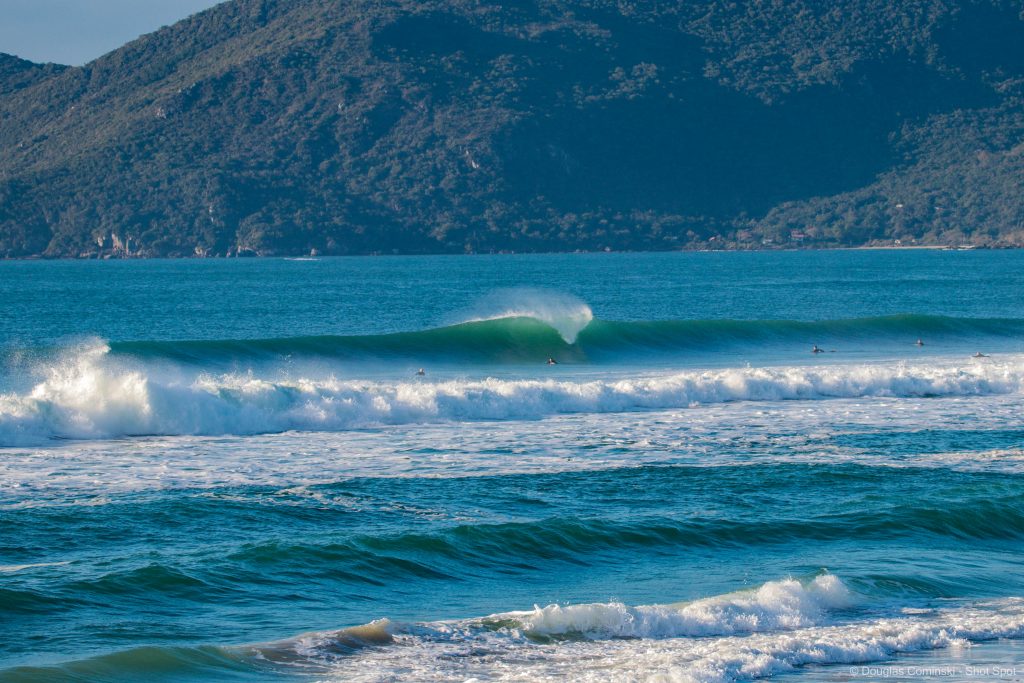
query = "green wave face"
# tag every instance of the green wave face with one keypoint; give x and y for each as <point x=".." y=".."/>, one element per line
<point x="527" y="340"/>
<point x="507" y="340"/>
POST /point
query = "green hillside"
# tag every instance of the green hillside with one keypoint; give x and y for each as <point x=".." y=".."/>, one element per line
<point x="284" y="126"/>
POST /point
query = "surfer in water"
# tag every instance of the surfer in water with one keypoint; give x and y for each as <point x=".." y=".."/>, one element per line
<point x="815" y="349"/>
<point x="919" y="342"/>
<point x="420" y="372"/>
<point x="979" y="354"/>
<point x="552" y="361"/>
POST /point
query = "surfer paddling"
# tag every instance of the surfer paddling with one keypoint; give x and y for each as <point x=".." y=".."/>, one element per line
<point x="815" y="349"/>
<point x="979" y="354"/>
<point x="552" y="361"/>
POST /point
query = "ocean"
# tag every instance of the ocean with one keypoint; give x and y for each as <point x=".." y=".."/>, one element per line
<point x="232" y="470"/>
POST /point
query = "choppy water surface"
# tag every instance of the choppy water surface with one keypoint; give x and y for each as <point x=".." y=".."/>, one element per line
<point x="230" y="470"/>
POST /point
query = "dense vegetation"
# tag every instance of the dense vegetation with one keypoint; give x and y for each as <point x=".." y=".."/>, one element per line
<point x="398" y="126"/>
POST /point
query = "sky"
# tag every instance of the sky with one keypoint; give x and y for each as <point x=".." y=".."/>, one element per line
<point x="78" y="31"/>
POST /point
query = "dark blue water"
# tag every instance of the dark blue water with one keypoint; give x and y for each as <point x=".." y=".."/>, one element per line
<point x="201" y="461"/>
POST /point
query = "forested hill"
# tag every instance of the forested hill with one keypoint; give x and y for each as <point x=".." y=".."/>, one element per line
<point x="418" y="126"/>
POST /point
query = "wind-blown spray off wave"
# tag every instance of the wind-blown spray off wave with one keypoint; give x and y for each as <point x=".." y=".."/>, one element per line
<point x="532" y="334"/>
<point x="88" y="397"/>
<point x="563" y="313"/>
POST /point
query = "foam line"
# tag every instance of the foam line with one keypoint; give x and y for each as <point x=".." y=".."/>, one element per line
<point x="88" y="398"/>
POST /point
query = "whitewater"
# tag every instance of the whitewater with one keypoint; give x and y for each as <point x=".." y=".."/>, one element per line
<point x="216" y="470"/>
<point x="85" y="397"/>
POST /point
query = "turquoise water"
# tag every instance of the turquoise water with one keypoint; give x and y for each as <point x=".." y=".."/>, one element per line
<point x="230" y="470"/>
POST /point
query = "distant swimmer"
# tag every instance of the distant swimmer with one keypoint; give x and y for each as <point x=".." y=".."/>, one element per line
<point x="552" y="361"/>
<point x="979" y="354"/>
<point x="420" y="372"/>
<point x="817" y="350"/>
<point x="919" y="342"/>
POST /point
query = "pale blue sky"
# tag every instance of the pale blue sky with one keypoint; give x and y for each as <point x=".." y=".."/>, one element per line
<point x="78" y="31"/>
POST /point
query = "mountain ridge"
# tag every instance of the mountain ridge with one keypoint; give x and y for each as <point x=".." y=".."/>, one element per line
<point x="288" y="126"/>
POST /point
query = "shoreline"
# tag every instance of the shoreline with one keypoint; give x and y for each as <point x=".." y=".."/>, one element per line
<point x="317" y="257"/>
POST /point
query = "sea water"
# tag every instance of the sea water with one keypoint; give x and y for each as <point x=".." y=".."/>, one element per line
<point x="232" y="470"/>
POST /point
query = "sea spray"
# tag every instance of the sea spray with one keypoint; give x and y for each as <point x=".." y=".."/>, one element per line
<point x="495" y="482"/>
<point x="88" y="397"/>
<point x="565" y="313"/>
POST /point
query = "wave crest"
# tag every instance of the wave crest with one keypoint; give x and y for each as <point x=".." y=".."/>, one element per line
<point x="87" y="397"/>
<point x="529" y="331"/>
<point x="739" y="636"/>
<point x="786" y="604"/>
<point x="566" y="314"/>
<point x="748" y="635"/>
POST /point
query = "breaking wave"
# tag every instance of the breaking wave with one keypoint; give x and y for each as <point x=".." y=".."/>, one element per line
<point x="772" y="629"/>
<point x="561" y="312"/>
<point x="530" y="334"/>
<point x="88" y="396"/>
<point x="747" y="635"/>
<point x="775" y="605"/>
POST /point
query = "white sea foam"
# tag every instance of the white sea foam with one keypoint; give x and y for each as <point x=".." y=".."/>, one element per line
<point x="775" y="605"/>
<point x="89" y="472"/>
<point x="14" y="568"/>
<point x="774" y="629"/>
<point x="87" y="397"/>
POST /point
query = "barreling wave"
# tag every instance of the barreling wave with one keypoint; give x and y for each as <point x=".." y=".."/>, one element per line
<point x="529" y="336"/>
<point x="744" y="635"/>
<point x="86" y="397"/>
<point x="505" y="340"/>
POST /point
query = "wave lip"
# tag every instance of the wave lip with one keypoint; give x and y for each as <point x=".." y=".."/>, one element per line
<point x="87" y="398"/>
<point x="562" y="312"/>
